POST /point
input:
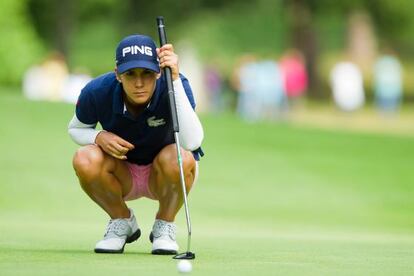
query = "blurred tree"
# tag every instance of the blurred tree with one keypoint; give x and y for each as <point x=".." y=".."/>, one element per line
<point x="303" y="37"/>
<point x="54" y="21"/>
<point x="394" y="22"/>
<point x="238" y="29"/>
<point x="19" y="47"/>
<point x="72" y="26"/>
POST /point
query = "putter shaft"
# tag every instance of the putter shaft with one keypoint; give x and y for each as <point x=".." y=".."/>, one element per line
<point x="182" y="179"/>
<point x="174" y="117"/>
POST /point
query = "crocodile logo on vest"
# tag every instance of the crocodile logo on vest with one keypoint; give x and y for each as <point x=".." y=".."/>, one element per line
<point x="153" y="122"/>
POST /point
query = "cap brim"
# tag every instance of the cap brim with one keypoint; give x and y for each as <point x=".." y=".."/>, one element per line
<point x="138" y="64"/>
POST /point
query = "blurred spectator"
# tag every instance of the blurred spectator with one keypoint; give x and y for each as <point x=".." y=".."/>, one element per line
<point x="51" y="81"/>
<point x="362" y="42"/>
<point x="214" y="85"/>
<point x="260" y="87"/>
<point x="191" y="66"/>
<point x="248" y="105"/>
<point x="347" y="86"/>
<point x="45" y="82"/>
<point x="295" y="77"/>
<point x="229" y="92"/>
<point x="243" y="80"/>
<point x="73" y="85"/>
<point x="269" y="89"/>
<point x="388" y="83"/>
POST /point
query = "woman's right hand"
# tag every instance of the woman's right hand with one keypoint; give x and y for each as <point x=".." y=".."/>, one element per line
<point x="113" y="145"/>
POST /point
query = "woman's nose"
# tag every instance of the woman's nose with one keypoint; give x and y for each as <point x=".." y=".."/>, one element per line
<point x="138" y="82"/>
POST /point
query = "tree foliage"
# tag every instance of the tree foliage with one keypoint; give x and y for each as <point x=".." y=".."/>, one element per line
<point x="73" y="26"/>
<point x="19" y="47"/>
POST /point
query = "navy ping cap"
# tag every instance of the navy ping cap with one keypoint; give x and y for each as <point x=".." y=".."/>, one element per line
<point x="137" y="51"/>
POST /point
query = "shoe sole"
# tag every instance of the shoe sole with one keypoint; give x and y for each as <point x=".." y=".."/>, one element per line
<point x="130" y="239"/>
<point x="161" y="251"/>
<point x="134" y="236"/>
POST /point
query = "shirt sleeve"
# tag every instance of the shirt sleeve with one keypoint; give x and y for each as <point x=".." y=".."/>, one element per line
<point x="82" y="134"/>
<point x="86" y="107"/>
<point x="191" y="131"/>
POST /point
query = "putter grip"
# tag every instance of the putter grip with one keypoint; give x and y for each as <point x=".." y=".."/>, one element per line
<point x="168" y="75"/>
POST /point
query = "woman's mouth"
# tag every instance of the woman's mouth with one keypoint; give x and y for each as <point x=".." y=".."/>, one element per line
<point x="140" y="93"/>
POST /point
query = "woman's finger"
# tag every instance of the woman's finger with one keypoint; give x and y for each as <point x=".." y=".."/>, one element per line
<point x="121" y="157"/>
<point x="125" y="144"/>
<point x="167" y="47"/>
<point x="120" y="149"/>
<point x="165" y="54"/>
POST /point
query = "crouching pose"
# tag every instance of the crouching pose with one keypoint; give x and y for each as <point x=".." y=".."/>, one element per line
<point x="134" y="154"/>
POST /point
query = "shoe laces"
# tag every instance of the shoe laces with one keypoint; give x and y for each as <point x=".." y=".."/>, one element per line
<point x="162" y="228"/>
<point x="116" y="227"/>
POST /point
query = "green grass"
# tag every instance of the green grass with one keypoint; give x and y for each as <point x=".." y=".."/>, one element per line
<point x="272" y="199"/>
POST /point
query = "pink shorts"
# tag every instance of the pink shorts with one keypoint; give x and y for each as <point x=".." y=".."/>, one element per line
<point x="140" y="181"/>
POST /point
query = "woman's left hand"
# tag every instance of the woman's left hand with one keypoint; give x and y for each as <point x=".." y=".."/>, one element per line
<point x="168" y="58"/>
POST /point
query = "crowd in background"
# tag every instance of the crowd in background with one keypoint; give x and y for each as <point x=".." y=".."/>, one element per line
<point x="265" y="87"/>
<point x="268" y="89"/>
<point x="260" y="88"/>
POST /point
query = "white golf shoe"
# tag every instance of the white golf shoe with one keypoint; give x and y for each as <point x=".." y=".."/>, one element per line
<point x="163" y="238"/>
<point x="119" y="232"/>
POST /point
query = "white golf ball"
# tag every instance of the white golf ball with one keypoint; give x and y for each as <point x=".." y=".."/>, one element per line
<point x="184" y="266"/>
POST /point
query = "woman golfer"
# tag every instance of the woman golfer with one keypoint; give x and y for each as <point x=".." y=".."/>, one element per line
<point x="134" y="155"/>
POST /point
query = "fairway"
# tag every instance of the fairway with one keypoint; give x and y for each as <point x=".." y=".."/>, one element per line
<point x="272" y="199"/>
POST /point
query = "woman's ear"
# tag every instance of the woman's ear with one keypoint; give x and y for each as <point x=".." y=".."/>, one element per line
<point x="158" y="75"/>
<point x="117" y="75"/>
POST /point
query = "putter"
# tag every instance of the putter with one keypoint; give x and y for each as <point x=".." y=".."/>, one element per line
<point x="173" y="108"/>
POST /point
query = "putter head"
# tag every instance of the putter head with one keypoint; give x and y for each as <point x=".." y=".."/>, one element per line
<point x="185" y="256"/>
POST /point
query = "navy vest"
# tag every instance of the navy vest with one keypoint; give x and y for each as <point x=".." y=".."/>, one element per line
<point x="101" y="102"/>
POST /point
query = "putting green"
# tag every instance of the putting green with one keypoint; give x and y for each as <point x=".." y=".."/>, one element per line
<point x="272" y="199"/>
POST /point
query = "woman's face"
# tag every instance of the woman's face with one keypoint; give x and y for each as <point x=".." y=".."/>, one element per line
<point x="139" y="85"/>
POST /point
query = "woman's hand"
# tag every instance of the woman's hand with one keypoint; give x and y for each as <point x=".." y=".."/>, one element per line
<point x="113" y="144"/>
<point x="168" y="58"/>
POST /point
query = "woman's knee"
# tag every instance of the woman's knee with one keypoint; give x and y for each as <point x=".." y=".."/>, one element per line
<point x="88" y="161"/>
<point x="167" y="162"/>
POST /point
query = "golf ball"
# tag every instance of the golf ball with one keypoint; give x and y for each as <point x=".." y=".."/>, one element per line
<point x="184" y="266"/>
